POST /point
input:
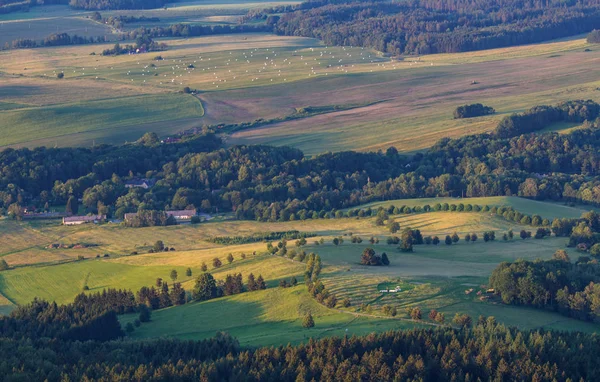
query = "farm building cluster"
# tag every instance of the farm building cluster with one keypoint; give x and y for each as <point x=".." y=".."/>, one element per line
<point x="392" y="290"/>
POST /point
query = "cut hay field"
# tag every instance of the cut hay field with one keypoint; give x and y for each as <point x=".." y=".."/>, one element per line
<point x="245" y="77"/>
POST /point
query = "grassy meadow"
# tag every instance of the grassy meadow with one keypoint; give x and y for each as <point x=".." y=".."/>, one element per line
<point x="124" y="119"/>
<point x="432" y="277"/>
<point x="271" y="317"/>
<point x="244" y="77"/>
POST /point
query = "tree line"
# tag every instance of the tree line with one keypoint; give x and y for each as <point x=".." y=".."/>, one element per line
<point x="427" y="27"/>
<point x="258" y="237"/>
<point x="280" y="184"/>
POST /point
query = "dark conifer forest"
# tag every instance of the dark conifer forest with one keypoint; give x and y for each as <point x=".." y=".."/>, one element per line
<point x="424" y="27"/>
<point x="487" y="351"/>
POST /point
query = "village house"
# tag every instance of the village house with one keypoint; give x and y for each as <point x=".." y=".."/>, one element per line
<point x="74" y="220"/>
<point x="142" y="183"/>
<point x="182" y="214"/>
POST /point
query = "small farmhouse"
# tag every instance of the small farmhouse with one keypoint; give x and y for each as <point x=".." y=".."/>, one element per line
<point x="182" y="214"/>
<point x="74" y="220"/>
<point x="142" y="183"/>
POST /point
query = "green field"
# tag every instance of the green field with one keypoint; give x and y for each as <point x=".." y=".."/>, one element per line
<point x="270" y="317"/>
<point x="40" y="27"/>
<point x="432" y="277"/>
<point x="123" y="119"/>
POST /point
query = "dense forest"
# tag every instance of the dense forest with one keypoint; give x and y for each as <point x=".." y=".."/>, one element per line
<point x="425" y="26"/>
<point x="488" y="351"/>
<point x="279" y="183"/>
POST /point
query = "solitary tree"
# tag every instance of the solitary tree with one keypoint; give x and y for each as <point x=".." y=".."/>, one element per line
<point x="448" y="240"/>
<point x="217" y="263"/>
<point x="3" y="265"/>
<point x="561" y="255"/>
<point x="308" y="321"/>
<point x="188" y="272"/>
<point x="407" y="240"/>
<point x="203" y="267"/>
<point x="173" y="275"/>
<point x="230" y="258"/>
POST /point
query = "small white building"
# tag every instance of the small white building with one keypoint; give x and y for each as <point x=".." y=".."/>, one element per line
<point x="182" y="214"/>
<point x="141" y="183"/>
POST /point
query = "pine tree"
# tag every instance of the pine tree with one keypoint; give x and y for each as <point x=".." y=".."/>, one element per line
<point x="260" y="283"/>
<point x="251" y="283"/>
<point x="384" y="259"/>
<point x="72" y="206"/>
